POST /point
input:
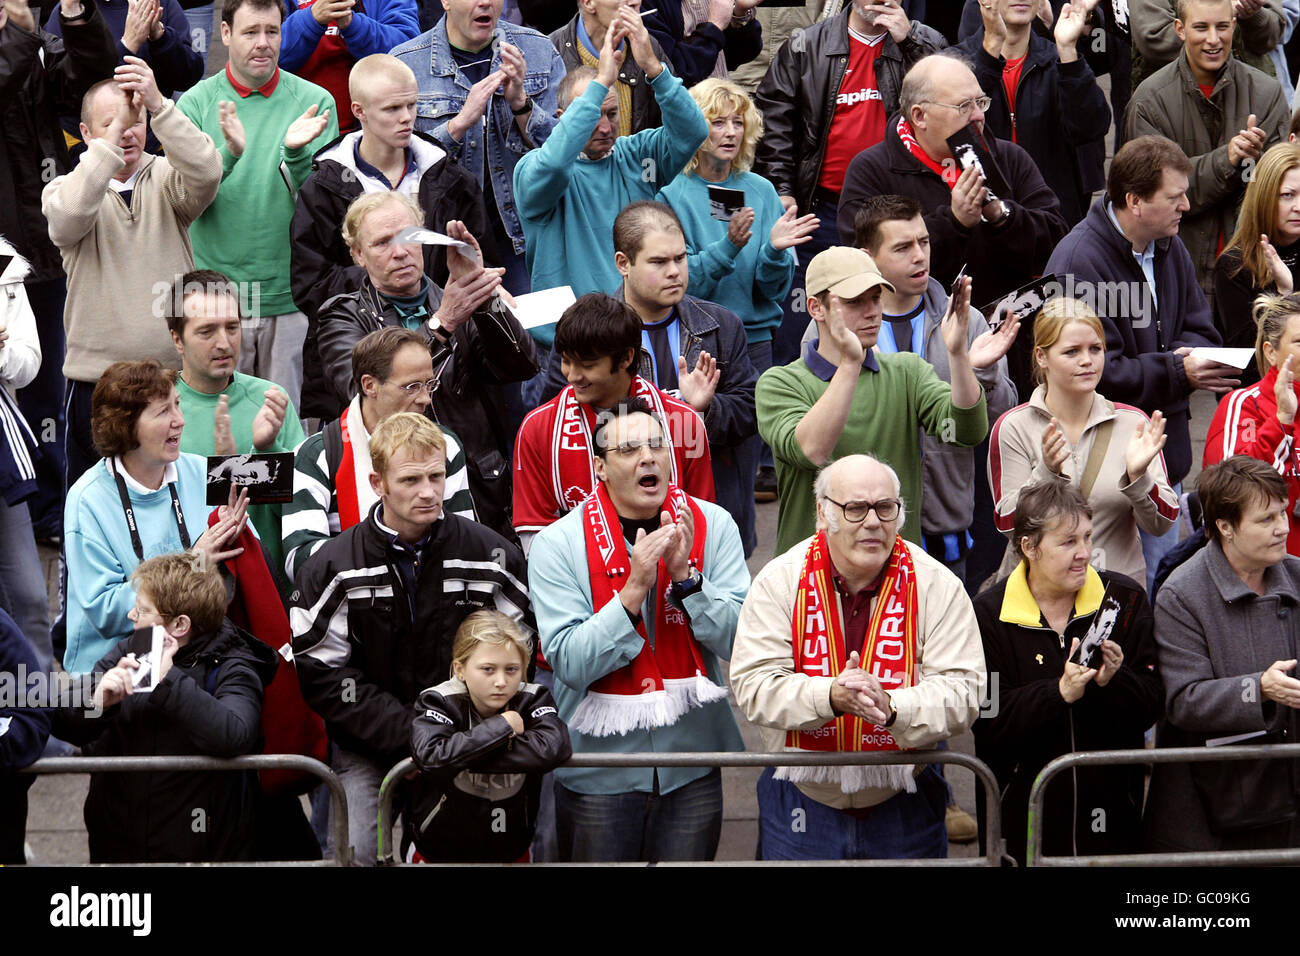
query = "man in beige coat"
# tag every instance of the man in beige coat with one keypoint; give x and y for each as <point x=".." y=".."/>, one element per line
<point x="121" y="222"/>
<point x="1223" y="114"/>
<point x="889" y="657"/>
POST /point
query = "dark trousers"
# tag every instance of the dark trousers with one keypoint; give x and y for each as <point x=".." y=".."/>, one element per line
<point x="41" y="402"/>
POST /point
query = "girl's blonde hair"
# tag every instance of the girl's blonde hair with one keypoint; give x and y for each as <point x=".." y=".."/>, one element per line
<point x="488" y="627"/>
<point x="1271" y="313"/>
<point x="717" y="97"/>
<point x="1052" y="319"/>
<point x="1259" y="211"/>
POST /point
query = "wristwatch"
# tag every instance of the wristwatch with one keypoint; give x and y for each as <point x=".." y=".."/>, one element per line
<point x="1006" y="211"/>
<point x="688" y="585"/>
<point x="893" y="711"/>
<point x="436" y="327"/>
<point x="528" y="105"/>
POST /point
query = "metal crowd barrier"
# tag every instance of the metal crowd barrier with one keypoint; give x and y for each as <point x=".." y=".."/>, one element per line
<point x="339" y="808"/>
<point x="993" y="829"/>
<point x="1034" y="851"/>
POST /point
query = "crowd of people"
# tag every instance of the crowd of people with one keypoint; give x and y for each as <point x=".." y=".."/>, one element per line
<point x="865" y="258"/>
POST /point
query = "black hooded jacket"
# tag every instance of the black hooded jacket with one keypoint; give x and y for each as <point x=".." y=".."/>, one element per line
<point x="209" y="704"/>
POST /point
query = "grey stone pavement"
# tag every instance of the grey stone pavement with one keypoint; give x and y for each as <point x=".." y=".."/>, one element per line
<point x="57" y="835"/>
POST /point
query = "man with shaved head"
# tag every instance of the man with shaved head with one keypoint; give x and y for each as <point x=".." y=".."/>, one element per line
<point x="855" y="640"/>
<point x="1003" y="240"/>
<point x="121" y="222"/>
<point x="385" y="154"/>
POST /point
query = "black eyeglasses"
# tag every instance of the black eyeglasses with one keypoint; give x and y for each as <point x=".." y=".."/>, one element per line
<point x="856" y="511"/>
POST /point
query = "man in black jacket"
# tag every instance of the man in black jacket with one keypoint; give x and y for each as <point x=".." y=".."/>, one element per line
<point x="704" y="43"/>
<point x="477" y="344"/>
<point x="1003" y="242"/>
<point x="387" y="154"/>
<point x="1045" y="97"/>
<point x="376" y="609"/>
<point x="42" y="78"/>
<point x="814" y="125"/>
<point x="692" y="349"/>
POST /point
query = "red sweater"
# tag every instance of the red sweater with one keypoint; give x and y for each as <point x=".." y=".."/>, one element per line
<point x="1245" y="423"/>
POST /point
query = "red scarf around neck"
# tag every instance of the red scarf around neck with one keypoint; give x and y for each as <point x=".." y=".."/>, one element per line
<point x="947" y="171"/>
<point x="573" y="476"/>
<point x="888" y="654"/>
<point x="665" y="680"/>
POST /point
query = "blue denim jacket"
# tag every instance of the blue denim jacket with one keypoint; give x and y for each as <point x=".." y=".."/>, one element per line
<point x="443" y="89"/>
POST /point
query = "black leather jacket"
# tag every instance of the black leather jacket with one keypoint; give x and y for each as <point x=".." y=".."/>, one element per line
<point x="473" y="768"/>
<point x="797" y="98"/>
<point x="486" y="352"/>
<point x="365" y="642"/>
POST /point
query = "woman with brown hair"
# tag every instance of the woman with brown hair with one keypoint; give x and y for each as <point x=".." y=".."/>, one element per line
<point x="144" y="498"/>
<point x="1262" y="254"/>
<point x="1069" y="432"/>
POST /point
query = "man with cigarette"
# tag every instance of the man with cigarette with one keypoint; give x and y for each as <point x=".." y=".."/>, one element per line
<point x="477" y="344"/>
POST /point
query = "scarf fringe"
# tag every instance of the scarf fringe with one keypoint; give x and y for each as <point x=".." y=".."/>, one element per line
<point x="609" y="715"/>
<point x="853" y="779"/>
<point x="692" y="692"/>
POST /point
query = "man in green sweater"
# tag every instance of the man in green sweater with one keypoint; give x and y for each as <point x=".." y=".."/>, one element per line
<point x="841" y="398"/>
<point x="269" y="124"/>
<point x="227" y="412"/>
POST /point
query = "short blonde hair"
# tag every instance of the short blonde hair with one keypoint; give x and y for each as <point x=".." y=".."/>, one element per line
<point x="404" y="430"/>
<point x="1272" y="314"/>
<point x="717" y="97"/>
<point x="1052" y="319"/>
<point x="367" y="203"/>
<point x="369" y="69"/>
<point x="488" y="627"/>
<point x="182" y="583"/>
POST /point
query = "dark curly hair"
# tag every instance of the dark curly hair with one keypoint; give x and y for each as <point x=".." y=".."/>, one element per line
<point x="122" y="393"/>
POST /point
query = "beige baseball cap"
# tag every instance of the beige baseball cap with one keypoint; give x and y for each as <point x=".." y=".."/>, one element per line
<point x="846" y="271"/>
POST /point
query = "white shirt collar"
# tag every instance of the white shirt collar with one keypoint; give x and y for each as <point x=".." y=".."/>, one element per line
<point x="170" y="474"/>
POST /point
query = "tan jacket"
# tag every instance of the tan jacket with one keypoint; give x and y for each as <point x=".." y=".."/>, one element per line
<point x="944" y="701"/>
<point x="121" y="261"/>
<point x="1119" y="509"/>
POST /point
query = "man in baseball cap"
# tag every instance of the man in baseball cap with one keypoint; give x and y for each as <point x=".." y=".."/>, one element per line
<point x="842" y="398"/>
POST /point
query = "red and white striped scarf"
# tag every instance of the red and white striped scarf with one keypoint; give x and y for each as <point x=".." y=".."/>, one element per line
<point x="888" y="654"/>
<point x="665" y="680"/>
<point x="573" y="475"/>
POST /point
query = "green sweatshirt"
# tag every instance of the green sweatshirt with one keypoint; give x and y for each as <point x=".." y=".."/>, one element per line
<point x="246" y="395"/>
<point x="896" y="396"/>
<point x="245" y="232"/>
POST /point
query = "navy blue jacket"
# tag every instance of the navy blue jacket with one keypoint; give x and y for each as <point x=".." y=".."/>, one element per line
<point x="23" y="732"/>
<point x="1141" y="367"/>
<point x="693" y="56"/>
<point x="175" y="63"/>
<point x="1061" y="118"/>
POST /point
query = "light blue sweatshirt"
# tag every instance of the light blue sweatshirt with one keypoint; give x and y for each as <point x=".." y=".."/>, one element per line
<point x="100" y="557"/>
<point x="567" y="203"/>
<point x="583" y="647"/>
<point x="751" y="281"/>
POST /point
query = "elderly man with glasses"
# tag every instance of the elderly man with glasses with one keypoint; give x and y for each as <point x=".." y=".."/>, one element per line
<point x="1002" y="236"/>
<point x="477" y="344"/>
<point x="855" y="640"/>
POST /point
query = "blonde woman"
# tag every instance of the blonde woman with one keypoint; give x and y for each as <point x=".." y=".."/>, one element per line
<point x="1263" y="252"/>
<point x="745" y="264"/>
<point x="1069" y="432"/>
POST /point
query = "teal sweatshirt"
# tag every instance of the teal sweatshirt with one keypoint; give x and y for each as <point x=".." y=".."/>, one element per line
<point x="752" y="280"/>
<point x="896" y="397"/>
<point x="567" y="203"/>
<point x="245" y="232"/>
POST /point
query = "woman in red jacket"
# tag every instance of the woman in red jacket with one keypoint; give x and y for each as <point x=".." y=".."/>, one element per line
<point x="1259" y="420"/>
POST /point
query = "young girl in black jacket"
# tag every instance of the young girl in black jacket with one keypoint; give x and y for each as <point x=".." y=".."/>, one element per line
<point x="483" y="740"/>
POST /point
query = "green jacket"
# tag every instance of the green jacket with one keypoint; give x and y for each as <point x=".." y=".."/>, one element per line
<point x="897" y="396"/>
